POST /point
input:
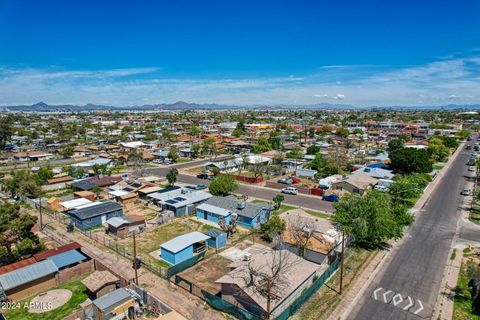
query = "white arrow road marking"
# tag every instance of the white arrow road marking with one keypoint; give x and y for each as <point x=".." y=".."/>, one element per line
<point x="385" y="295"/>
<point x="375" y="293"/>
<point x="409" y="305"/>
<point x="420" y="308"/>
<point x="397" y="299"/>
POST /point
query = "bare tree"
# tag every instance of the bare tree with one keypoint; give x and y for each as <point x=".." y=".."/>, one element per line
<point x="268" y="276"/>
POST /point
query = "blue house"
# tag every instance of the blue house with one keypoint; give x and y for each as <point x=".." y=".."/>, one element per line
<point x="211" y="213"/>
<point x="183" y="247"/>
<point x="218" y="239"/>
<point x="249" y="215"/>
<point x="95" y="214"/>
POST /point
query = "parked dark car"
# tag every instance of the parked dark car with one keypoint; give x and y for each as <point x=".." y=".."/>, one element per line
<point x="203" y="176"/>
<point x="331" y="198"/>
<point x="201" y="187"/>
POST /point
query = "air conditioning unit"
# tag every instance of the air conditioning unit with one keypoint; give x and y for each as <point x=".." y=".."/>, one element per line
<point x="247" y="256"/>
<point x="241" y="205"/>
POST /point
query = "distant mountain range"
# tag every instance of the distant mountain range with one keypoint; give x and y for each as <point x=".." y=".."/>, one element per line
<point x="181" y="105"/>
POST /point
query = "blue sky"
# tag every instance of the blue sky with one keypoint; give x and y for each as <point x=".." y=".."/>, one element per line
<point x="240" y="52"/>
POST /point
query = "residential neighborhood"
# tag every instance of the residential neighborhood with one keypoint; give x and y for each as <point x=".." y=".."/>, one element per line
<point x="239" y="160"/>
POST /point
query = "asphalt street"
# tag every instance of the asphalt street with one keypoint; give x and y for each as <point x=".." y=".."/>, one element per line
<point x="307" y="202"/>
<point x="409" y="282"/>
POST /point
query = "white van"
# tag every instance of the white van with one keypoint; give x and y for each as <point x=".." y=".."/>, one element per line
<point x="290" y="190"/>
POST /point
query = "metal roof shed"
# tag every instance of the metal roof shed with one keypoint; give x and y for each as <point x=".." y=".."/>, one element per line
<point x="27" y="274"/>
<point x="181" y="242"/>
<point x="67" y="258"/>
<point x="113" y="299"/>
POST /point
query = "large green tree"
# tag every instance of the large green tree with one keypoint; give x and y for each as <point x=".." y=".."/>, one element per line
<point x="371" y="220"/>
<point x="16" y="236"/>
<point x="172" y="176"/>
<point x="410" y="160"/>
<point x="6" y="131"/>
<point x="223" y="185"/>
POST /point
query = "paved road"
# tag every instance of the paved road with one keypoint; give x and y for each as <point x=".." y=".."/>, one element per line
<point x="416" y="267"/>
<point x="303" y="201"/>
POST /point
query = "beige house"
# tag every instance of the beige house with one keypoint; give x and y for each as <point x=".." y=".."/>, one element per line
<point x="357" y="183"/>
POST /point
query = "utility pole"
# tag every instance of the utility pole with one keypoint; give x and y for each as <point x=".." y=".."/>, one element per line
<point x="341" y="262"/>
<point x="135" y="267"/>
<point x="40" y="212"/>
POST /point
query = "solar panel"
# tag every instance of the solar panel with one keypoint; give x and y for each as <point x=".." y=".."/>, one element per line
<point x="128" y="189"/>
<point x="179" y="199"/>
<point x="136" y="185"/>
<point x="171" y="201"/>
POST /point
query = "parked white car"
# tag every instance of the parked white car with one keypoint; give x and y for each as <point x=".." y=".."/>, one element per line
<point x="290" y="190"/>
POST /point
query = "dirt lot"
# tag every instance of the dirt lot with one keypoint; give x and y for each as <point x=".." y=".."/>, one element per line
<point x="151" y="240"/>
<point x="205" y="273"/>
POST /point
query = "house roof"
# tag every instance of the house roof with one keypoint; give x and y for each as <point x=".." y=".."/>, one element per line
<point x="180" y="197"/>
<point x="215" y="210"/>
<point x="292" y="277"/>
<point x="377" y="173"/>
<point x="84" y="184"/>
<point x="49" y="253"/>
<point x="71" y="204"/>
<point x="214" y="233"/>
<point x="95" y="211"/>
<point x="181" y="242"/>
<point x="17" y="265"/>
<point x="27" y="274"/>
<point x="98" y="279"/>
<point x="230" y="203"/>
<point x="59" y="179"/>
<point x="111" y="299"/>
<point x="67" y="258"/>
<point x="360" y="180"/>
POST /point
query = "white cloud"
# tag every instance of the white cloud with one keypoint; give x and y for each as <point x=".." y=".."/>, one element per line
<point x="434" y="83"/>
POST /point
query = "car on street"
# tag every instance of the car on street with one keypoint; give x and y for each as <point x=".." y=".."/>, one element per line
<point x="201" y="186"/>
<point x="331" y="198"/>
<point x="471" y="169"/>
<point x="465" y="192"/>
<point x="203" y="176"/>
<point x="290" y="190"/>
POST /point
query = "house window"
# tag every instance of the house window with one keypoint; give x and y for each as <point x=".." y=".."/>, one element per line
<point x="356" y="190"/>
<point x="90" y="220"/>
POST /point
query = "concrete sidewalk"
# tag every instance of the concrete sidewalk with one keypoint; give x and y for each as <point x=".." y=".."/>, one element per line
<point x="360" y="285"/>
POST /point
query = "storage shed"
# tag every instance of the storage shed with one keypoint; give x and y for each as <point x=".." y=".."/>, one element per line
<point x="218" y="239"/>
<point x="184" y="247"/>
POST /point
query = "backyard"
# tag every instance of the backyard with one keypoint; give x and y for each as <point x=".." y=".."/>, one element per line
<point x="150" y="241"/>
<point x="78" y="296"/>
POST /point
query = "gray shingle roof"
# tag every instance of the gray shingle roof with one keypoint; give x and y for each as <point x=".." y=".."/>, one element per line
<point x="230" y="203"/>
<point x="97" y="210"/>
<point x="27" y="274"/>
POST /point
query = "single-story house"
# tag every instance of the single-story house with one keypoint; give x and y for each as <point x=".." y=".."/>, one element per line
<point x="377" y="173"/>
<point x="296" y="277"/>
<point x="183" y="247"/>
<point x="143" y="193"/>
<point x="27" y="281"/>
<point x="249" y="215"/>
<point x="95" y="214"/>
<point x="118" y="304"/>
<point x="100" y="283"/>
<point x="32" y="156"/>
<point x="233" y="165"/>
<point x="88" y="165"/>
<point x="62" y="179"/>
<point x="218" y="239"/>
<point x="211" y="213"/>
<point x="126" y="225"/>
<point x="181" y="201"/>
<point x="83" y="185"/>
<point x="355" y="183"/>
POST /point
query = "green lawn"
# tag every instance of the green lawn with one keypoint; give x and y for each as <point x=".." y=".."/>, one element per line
<point x="463" y="299"/>
<point x="78" y="296"/>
